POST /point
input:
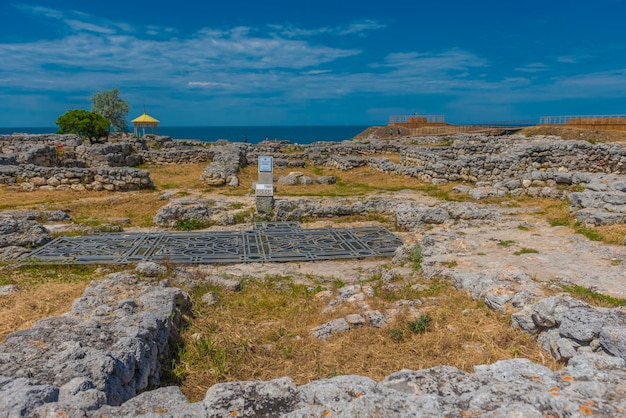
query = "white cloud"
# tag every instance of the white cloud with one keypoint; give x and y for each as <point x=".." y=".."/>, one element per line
<point x="428" y="62"/>
<point x="356" y="28"/>
<point x="534" y="67"/>
<point x="361" y="27"/>
<point x="208" y="84"/>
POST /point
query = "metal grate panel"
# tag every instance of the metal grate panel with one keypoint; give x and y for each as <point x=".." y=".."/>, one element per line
<point x="268" y="241"/>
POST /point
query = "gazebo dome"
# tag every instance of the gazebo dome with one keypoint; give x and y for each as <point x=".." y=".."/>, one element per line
<point x="143" y="121"/>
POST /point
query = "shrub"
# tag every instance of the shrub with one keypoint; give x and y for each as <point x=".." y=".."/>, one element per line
<point x="83" y="123"/>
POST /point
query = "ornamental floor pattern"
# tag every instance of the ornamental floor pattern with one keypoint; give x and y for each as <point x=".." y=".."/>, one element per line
<point x="267" y="242"/>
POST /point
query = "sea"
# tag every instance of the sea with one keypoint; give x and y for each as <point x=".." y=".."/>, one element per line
<point x="252" y="134"/>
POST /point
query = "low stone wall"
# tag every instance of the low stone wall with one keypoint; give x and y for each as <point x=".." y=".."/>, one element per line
<point x="10" y="143"/>
<point x="177" y="155"/>
<point x="122" y="154"/>
<point x="30" y="177"/>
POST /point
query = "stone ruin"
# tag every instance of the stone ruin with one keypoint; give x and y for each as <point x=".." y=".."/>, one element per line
<point x="105" y="357"/>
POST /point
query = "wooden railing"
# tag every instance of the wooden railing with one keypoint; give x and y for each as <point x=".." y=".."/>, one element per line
<point x="590" y="122"/>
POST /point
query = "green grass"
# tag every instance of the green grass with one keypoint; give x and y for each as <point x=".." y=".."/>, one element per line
<point x="560" y="221"/>
<point x="420" y="325"/>
<point x="396" y="334"/>
<point x="526" y="251"/>
<point x="416" y="258"/>
<point x="593" y="297"/>
<point x="318" y="171"/>
<point x="522" y="227"/>
<point x="191" y="224"/>
<point x="243" y="216"/>
<point x="590" y="233"/>
<point x="35" y="274"/>
<point x="506" y="243"/>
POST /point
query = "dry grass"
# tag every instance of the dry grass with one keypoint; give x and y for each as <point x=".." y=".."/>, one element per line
<point x="263" y="333"/>
<point x="44" y="291"/>
<point x="21" y="310"/>
<point x="360" y="181"/>
<point x="177" y="176"/>
<point x="594" y="135"/>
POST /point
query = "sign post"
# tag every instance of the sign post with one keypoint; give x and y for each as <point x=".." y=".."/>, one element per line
<point x="264" y="188"/>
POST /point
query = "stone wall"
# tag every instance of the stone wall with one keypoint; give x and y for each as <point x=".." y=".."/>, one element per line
<point x="177" y="155"/>
<point x="28" y="177"/>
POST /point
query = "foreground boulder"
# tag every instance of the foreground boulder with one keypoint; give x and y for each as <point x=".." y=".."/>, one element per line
<point x="105" y="351"/>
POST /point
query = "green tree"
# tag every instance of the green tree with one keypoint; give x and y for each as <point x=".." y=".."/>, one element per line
<point x="84" y="123"/>
<point x="108" y="103"/>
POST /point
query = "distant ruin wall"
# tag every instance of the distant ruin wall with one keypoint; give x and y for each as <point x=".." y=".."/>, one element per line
<point x="492" y="160"/>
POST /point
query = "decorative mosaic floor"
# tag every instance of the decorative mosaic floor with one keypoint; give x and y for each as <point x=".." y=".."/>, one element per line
<point x="268" y="241"/>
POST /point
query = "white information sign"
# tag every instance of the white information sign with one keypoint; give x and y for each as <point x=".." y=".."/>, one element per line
<point x="266" y="164"/>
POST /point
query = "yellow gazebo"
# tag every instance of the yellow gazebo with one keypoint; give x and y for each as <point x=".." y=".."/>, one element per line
<point x="145" y="121"/>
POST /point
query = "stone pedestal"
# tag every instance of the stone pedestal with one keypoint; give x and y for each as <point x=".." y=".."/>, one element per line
<point x="265" y="204"/>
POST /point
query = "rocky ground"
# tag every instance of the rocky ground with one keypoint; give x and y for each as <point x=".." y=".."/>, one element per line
<point x="101" y="358"/>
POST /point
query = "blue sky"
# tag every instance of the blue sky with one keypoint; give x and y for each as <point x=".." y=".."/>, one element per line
<point x="313" y="63"/>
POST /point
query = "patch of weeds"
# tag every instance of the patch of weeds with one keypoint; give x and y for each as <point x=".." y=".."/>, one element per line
<point x="287" y="351"/>
<point x="593" y="297"/>
<point x="191" y="224"/>
<point x="526" y="251"/>
<point x="451" y="264"/>
<point x="590" y="233"/>
<point x="420" y="325"/>
<point x="560" y="221"/>
<point x="396" y="334"/>
<point x="318" y="171"/>
<point x="339" y="284"/>
<point x="616" y="262"/>
<point x="522" y="227"/>
<point x="243" y="216"/>
<point x="435" y="288"/>
<point x="506" y="243"/>
<point x="416" y="258"/>
<point x="33" y="274"/>
<point x="481" y="253"/>
<point x="236" y="205"/>
<point x="263" y="217"/>
<point x="292" y="149"/>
